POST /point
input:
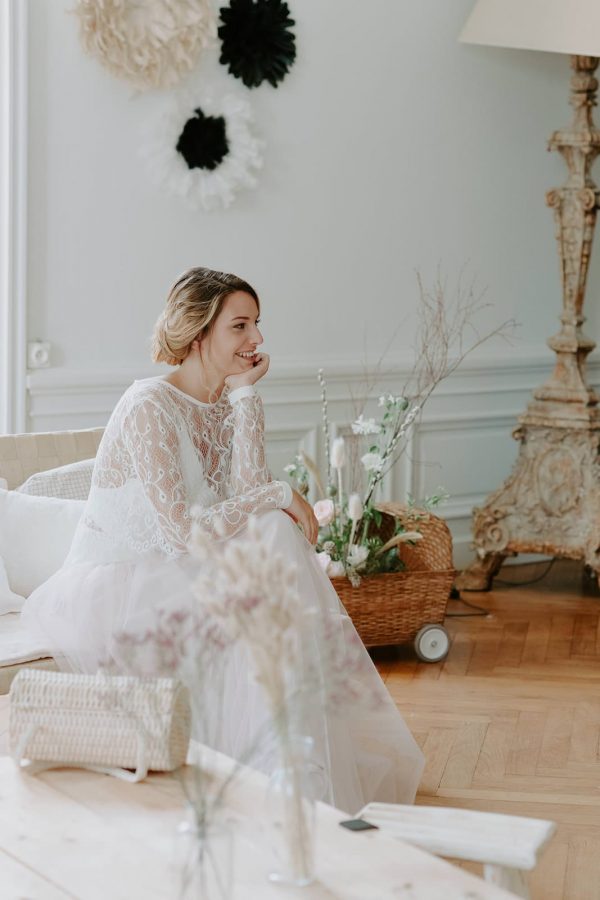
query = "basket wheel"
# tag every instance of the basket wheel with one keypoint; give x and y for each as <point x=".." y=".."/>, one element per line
<point x="432" y="643"/>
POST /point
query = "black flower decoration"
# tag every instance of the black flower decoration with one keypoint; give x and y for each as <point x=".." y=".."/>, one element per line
<point x="203" y="141"/>
<point x="256" y="42"/>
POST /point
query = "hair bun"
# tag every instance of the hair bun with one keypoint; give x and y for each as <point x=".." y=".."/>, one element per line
<point x="161" y="351"/>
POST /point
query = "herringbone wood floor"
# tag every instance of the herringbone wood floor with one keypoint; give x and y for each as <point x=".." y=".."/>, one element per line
<point x="510" y="722"/>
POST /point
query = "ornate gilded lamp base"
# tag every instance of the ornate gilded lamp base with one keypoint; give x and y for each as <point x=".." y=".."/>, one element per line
<point x="551" y="502"/>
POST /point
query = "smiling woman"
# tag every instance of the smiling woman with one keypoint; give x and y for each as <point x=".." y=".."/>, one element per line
<point x="209" y="330"/>
<point x="229" y="346"/>
<point x="186" y="452"/>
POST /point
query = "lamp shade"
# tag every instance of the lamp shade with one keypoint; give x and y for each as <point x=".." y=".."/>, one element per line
<point x="558" y="26"/>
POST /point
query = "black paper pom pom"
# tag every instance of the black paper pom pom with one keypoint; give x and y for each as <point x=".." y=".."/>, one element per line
<point x="256" y="42"/>
<point x="203" y="141"/>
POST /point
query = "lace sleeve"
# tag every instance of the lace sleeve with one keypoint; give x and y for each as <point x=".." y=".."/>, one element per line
<point x="227" y="518"/>
<point x="250" y="488"/>
<point x="248" y="463"/>
<point x="152" y="442"/>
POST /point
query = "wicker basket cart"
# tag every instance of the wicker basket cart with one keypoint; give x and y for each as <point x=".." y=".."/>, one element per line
<point x="400" y="607"/>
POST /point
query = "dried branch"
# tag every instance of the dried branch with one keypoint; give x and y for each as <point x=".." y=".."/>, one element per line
<point x="442" y="344"/>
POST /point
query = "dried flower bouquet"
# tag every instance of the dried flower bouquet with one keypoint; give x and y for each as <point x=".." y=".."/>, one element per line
<point x="350" y="539"/>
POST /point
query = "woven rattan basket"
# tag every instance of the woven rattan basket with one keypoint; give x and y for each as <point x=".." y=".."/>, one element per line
<point x="392" y="608"/>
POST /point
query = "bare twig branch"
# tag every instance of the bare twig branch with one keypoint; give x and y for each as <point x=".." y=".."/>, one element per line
<point x="446" y="335"/>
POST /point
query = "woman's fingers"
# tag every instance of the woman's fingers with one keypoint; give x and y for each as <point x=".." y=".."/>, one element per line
<point x="261" y="366"/>
<point x="311" y="528"/>
<point x="302" y="512"/>
<point x="313" y="525"/>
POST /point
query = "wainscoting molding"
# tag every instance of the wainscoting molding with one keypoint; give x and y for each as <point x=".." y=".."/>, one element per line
<point x="463" y="441"/>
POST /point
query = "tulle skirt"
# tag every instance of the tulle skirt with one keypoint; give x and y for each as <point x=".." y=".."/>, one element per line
<point x="360" y="743"/>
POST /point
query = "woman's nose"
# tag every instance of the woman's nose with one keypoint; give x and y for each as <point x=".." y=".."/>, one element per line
<point x="258" y="338"/>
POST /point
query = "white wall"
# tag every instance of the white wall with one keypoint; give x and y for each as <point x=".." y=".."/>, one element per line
<point x="390" y="147"/>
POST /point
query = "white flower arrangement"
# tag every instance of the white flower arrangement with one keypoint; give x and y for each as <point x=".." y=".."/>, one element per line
<point x="349" y="543"/>
<point x="346" y="544"/>
<point x="203" y="188"/>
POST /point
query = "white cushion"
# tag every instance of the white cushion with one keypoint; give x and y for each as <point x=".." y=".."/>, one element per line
<point x="9" y="601"/>
<point x="70" y="482"/>
<point x="17" y="645"/>
<point x="35" y="536"/>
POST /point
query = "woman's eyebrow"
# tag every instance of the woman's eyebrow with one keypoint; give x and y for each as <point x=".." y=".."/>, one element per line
<point x="240" y="317"/>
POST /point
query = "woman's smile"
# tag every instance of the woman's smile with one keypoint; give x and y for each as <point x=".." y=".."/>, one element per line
<point x="247" y="355"/>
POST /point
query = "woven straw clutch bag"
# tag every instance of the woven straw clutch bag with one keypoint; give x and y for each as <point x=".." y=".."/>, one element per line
<point x="102" y="722"/>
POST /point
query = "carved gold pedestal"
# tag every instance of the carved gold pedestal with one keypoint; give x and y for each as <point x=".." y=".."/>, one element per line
<point x="551" y="502"/>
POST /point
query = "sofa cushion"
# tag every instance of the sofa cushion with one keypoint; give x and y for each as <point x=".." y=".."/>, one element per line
<point x="35" y="536"/>
<point x="70" y="482"/>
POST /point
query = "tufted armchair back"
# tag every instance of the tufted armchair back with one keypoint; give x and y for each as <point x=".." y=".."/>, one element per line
<point x="22" y="455"/>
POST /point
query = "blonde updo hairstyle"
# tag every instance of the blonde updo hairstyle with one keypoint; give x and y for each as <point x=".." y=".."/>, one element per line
<point x="193" y="305"/>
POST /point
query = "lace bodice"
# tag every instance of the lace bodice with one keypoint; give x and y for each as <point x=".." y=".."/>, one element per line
<point x="166" y="460"/>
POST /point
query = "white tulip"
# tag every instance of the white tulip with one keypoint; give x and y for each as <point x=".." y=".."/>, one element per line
<point x="338" y="453"/>
<point x="355" y="507"/>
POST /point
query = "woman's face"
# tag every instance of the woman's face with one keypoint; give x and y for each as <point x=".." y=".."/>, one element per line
<point x="231" y="345"/>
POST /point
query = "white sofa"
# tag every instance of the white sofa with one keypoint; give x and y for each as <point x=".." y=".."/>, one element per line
<point x="23" y="455"/>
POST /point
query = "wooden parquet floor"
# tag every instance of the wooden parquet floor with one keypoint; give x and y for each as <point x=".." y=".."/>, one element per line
<point x="510" y="721"/>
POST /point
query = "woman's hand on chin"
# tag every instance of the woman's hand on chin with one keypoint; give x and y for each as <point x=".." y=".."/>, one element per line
<point x="242" y="379"/>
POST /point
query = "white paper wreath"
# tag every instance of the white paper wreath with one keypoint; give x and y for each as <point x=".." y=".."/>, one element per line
<point x="203" y="150"/>
<point x="152" y="43"/>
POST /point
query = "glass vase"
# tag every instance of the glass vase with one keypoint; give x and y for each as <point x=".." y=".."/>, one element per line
<point x="291" y="809"/>
<point x="204" y="861"/>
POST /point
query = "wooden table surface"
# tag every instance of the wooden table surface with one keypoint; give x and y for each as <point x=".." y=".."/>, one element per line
<point x="74" y="834"/>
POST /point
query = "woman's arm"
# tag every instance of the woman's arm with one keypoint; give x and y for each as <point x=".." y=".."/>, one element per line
<point x="248" y="464"/>
<point x="151" y="440"/>
<point x="248" y="467"/>
<point x="225" y="519"/>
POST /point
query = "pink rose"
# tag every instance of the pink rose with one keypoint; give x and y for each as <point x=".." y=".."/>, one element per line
<point x="324" y="511"/>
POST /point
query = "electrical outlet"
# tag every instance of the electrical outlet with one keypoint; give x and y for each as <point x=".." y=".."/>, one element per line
<point x="38" y="354"/>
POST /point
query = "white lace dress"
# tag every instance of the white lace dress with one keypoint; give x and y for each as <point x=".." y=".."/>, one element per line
<point x="165" y="461"/>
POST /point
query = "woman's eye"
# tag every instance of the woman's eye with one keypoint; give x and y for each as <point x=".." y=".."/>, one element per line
<point x="241" y="325"/>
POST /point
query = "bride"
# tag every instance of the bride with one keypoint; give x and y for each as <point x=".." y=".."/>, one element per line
<point x="188" y="448"/>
